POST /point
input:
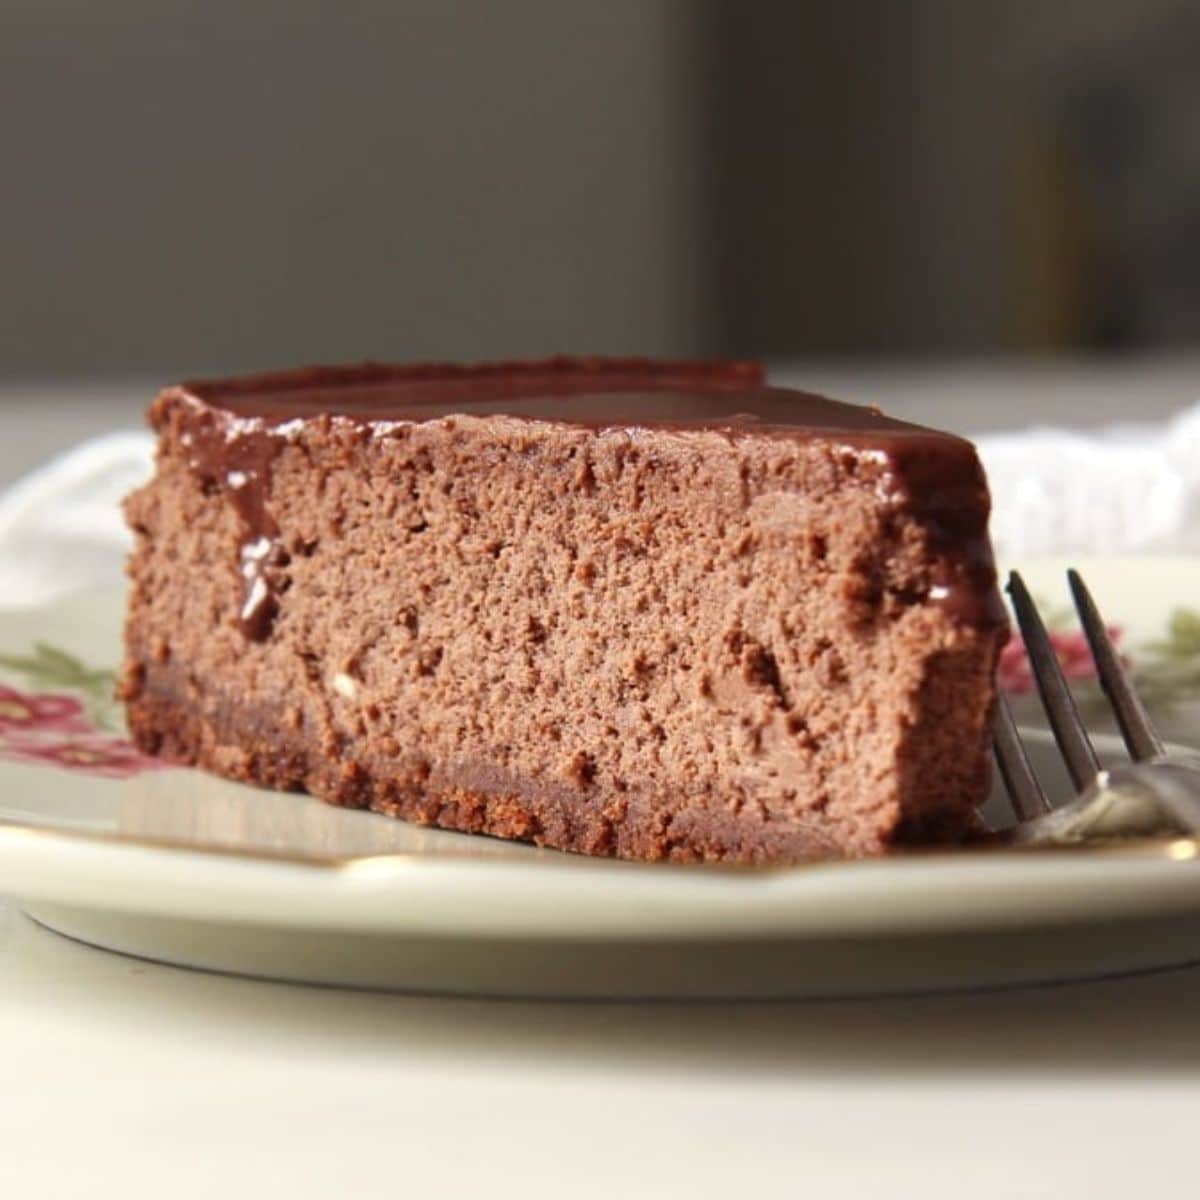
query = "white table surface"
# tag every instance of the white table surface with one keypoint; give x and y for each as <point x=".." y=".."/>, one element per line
<point x="124" y="1077"/>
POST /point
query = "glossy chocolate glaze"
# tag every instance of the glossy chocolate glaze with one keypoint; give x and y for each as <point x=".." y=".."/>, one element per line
<point x="590" y="393"/>
<point x="234" y="429"/>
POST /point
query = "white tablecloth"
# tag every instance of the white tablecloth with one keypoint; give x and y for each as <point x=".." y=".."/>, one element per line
<point x="123" y="1077"/>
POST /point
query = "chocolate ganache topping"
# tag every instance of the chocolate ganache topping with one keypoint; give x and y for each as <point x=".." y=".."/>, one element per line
<point x="235" y="428"/>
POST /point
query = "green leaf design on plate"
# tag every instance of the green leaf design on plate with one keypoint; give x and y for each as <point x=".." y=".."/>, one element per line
<point x="1168" y="672"/>
<point x="1183" y="637"/>
<point x="52" y="667"/>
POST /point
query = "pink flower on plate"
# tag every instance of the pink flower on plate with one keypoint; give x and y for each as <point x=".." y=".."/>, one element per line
<point x="1071" y="650"/>
<point x="49" y="712"/>
<point x="88" y="754"/>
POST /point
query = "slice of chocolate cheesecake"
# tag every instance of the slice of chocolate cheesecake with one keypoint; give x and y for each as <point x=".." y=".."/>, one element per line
<point x="652" y="610"/>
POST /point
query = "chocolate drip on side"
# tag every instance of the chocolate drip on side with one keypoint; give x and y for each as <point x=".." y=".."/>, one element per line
<point x="234" y="458"/>
<point x="963" y="572"/>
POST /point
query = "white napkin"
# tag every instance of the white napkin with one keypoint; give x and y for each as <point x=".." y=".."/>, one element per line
<point x="1123" y="490"/>
<point x="1119" y="491"/>
<point x="61" y="527"/>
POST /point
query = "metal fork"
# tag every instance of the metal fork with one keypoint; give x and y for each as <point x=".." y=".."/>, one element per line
<point x="1156" y="793"/>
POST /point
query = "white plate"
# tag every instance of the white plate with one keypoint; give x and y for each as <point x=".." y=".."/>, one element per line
<point x="179" y="866"/>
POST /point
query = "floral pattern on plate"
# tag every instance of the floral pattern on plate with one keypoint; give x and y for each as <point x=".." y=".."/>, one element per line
<point x="77" y="726"/>
<point x="1165" y="671"/>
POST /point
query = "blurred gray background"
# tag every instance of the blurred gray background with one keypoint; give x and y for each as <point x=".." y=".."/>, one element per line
<point x="212" y="186"/>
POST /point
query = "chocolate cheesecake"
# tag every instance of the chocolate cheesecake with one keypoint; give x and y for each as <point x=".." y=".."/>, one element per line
<point x="651" y="610"/>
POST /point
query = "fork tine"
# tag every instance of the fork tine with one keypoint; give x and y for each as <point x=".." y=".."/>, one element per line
<point x="1024" y="791"/>
<point x="1141" y="738"/>
<point x="1057" y="700"/>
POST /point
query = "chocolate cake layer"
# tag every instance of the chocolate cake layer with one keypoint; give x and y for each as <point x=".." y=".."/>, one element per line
<point x="651" y="610"/>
